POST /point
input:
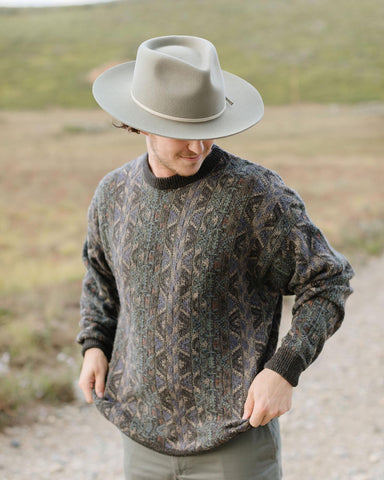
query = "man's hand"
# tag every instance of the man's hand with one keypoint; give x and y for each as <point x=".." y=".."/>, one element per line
<point x="93" y="372"/>
<point x="269" y="396"/>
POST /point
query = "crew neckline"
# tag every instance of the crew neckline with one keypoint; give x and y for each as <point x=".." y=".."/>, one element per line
<point x="178" y="181"/>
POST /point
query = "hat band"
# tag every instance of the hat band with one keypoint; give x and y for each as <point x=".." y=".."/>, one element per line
<point x="177" y="119"/>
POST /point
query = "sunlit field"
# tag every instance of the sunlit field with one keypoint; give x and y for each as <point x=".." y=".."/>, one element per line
<point x="296" y="51"/>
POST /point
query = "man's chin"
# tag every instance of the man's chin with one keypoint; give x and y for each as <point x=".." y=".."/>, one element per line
<point x="189" y="171"/>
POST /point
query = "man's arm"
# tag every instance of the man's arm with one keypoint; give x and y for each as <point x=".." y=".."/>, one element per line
<point x="99" y="303"/>
<point x="306" y="266"/>
<point x="99" y="306"/>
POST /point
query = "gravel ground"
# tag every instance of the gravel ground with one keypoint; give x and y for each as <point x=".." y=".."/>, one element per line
<point x="335" y="430"/>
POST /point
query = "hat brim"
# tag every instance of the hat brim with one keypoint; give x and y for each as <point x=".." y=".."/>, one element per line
<point x="112" y="91"/>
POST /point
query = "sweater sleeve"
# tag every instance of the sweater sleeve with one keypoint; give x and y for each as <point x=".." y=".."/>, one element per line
<point x="99" y="303"/>
<point x="306" y="266"/>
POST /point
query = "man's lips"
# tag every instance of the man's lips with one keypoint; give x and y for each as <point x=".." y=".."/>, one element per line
<point x="192" y="158"/>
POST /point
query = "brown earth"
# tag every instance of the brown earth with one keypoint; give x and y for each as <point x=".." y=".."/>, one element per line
<point x="335" y="430"/>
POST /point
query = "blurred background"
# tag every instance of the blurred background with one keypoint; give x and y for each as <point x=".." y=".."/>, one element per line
<point x="319" y="66"/>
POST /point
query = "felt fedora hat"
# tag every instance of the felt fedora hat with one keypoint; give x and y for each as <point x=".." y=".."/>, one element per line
<point x="176" y="89"/>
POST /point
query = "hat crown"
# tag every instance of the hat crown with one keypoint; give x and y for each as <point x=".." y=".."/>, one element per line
<point x="179" y="78"/>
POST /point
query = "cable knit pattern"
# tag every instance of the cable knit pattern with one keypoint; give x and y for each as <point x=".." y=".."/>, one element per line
<point x="183" y="293"/>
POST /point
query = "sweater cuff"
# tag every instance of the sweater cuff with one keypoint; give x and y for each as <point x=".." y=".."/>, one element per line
<point x="287" y="364"/>
<point x="92" y="343"/>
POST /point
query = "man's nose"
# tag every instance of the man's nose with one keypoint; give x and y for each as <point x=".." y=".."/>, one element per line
<point x="196" y="146"/>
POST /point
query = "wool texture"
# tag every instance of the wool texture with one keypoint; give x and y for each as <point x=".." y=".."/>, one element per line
<point x="183" y="293"/>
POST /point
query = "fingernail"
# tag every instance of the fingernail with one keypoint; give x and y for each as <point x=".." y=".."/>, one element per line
<point x="100" y="395"/>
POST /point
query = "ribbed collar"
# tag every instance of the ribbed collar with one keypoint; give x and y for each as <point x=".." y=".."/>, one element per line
<point x="177" y="181"/>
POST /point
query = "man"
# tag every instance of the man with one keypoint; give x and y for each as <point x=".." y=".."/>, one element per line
<point x="188" y="254"/>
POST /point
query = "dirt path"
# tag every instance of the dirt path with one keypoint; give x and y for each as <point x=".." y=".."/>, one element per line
<point x="335" y="430"/>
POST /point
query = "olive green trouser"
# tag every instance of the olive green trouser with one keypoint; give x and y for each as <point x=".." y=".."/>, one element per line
<point x="253" y="455"/>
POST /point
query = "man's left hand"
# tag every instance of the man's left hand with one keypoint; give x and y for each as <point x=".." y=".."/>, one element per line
<point x="269" y="396"/>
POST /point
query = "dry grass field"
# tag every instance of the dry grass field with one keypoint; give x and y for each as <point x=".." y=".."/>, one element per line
<point x="51" y="162"/>
<point x="296" y="51"/>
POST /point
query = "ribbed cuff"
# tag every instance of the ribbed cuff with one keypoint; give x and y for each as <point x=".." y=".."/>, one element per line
<point x="91" y="343"/>
<point x="288" y="364"/>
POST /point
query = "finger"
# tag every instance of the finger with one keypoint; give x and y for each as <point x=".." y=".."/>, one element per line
<point x="257" y="418"/>
<point x="269" y="415"/>
<point x="86" y="387"/>
<point x="88" y="395"/>
<point x="248" y="407"/>
<point x="266" y="420"/>
<point x="100" y="385"/>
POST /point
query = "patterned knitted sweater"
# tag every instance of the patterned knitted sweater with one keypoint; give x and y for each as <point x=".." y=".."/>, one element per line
<point x="183" y="293"/>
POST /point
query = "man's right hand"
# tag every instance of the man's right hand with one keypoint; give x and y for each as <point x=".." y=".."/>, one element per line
<point x="93" y="372"/>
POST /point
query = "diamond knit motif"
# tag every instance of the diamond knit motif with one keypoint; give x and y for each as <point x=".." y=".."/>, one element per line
<point x="183" y="293"/>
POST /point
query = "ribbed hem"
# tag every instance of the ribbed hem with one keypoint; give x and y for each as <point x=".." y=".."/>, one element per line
<point x="288" y="364"/>
<point x="177" y="181"/>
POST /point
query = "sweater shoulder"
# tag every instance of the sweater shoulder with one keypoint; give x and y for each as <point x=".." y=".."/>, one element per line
<point x="112" y="179"/>
<point x="108" y="191"/>
<point x="261" y="182"/>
